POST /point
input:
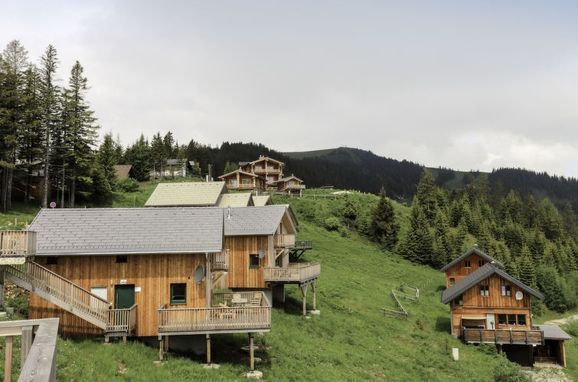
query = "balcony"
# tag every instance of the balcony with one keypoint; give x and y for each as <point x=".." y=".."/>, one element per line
<point x="121" y="322"/>
<point x="15" y="246"/>
<point x="230" y="313"/>
<point x="220" y="262"/>
<point x="295" y="273"/>
<point x="266" y="170"/>
<point x="533" y="336"/>
<point x="284" y="241"/>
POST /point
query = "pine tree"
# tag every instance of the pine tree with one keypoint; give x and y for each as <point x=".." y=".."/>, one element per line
<point x="158" y="154"/>
<point x="139" y="156"/>
<point x="49" y="100"/>
<point x="426" y="196"/>
<point x="230" y="167"/>
<point x="384" y="227"/>
<point x="107" y="158"/>
<point x="417" y="245"/>
<point x="442" y="246"/>
<point x="526" y="268"/>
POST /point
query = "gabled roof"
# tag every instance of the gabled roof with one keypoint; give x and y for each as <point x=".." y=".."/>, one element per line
<point x="240" y="172"/>
<point x="476" y="251"/>
<point x="241" y="199"/>
<point x="122" y="171"/>
<point x="247" y="221"/>
<point x="287" y="178"/>
<point x="262" y="200"/>
<point x="269" y="159"/>
<point x="479" y="275"/>
<point x="186" y="194"/>
<point x="112" y="231"/>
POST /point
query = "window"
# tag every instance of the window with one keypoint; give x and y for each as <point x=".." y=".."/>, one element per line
<point x="253" y="261"/>
<point x="51" y="260"/>
<point x="522" y="319"/>
<point x="481" y="263"/>
<point x="459" y="300"/>
<point x="506" y="290"/>
<point x="502" y="319"/>
<point x="452" y="281"/>
<point x="178" y="294"/>
<point x="511" y="319"/>
<point x="467" y="264"/>
<point x="484" y="290"/>
<point x="121" y="259"/>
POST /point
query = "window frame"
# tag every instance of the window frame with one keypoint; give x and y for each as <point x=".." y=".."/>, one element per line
<point x="467" y="263"/>
<point x="502" y="319"/>
<point x="121" y="259"/>
<point x="485" y="290"/>
<point x="253" y="265"/>
<point x="172" y="299"/>
<point x="519" y="321"/>
<point x="51" y="260"/>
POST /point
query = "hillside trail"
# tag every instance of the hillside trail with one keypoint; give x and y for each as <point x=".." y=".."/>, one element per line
<point x="561" y="321"/>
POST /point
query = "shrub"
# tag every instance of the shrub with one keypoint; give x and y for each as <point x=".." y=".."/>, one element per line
<point x="127" y="185"/>
<point x="572" y="328"/>
<point x="332" y="223"/>
<point x="509" y="372"/>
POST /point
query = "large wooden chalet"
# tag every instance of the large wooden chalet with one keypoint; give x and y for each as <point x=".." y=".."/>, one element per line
<point x="240" y="180"/>
<point x="490" y="306"/>
<point x="269" y="168"/>
<point x="152" y="272"/>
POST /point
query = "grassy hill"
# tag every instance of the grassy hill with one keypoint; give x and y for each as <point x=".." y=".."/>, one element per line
<point x="351" y="340"/>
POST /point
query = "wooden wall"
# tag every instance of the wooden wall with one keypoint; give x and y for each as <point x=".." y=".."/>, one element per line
<point x="240" y="274"/>
<point x="459" y="271"/>
<point x="152" y="273"/>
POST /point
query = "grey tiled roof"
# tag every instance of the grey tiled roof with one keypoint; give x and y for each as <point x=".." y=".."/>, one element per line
<point x="554" y="332"/>
<point x="246" y="221"/>
<point x="474" y="250"/>
<point x="479" y="275"/>
<point x="102" y="231"/>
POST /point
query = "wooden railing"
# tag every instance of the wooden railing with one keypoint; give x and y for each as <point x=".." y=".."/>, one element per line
<point x="303" y="244"/>
<point x="220" y="261"/>
<point x="239" y="316"/>
<point x="64" y="293"/>
<point x="17" y="243"/>
<point x="121" y="320"/>
<point x="295" y="272"/>
<point x="38" y="349"/>
<point x="503" y="336"/>
<point x="284" y="240"/>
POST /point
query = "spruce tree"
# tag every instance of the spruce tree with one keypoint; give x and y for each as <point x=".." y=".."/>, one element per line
<point x="426" y="196"/>
<point x="526" y="268"/>
<point x="384" y="227"/>
<point x="417" y="245"/>
<point x="442" y="246"/>
<point x="107" y="158"/>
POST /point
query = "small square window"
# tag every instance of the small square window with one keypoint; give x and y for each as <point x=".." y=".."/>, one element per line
<point x="253" y="261"/>
<point x="452" y="281"/>
<point x="121" y="259"/>
<point x="506" y="290"/>
<point x="502" y="319"/>
<point x="511" y="319"/>
<point x="178" y="294"/>
<point x="467" y="264"/>
<point x="522" y="319"/>
<point x="51" y="260"/>
<point x="481" y="263"/>
<point x="484" y="290"/>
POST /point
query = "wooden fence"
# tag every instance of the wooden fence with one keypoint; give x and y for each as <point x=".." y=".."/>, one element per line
<point x="17" y="243"/>
<point x="503" y="336"/>
<point x="295" y="272"/>
<point x="402" y="293"/>
<point x="121" y="320"/>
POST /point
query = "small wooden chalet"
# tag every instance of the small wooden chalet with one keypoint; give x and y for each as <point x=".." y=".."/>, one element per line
<point x="290" y="185"/>
<point x="146" y="272"/>
<point x="490" y="306"/>
<point x="240" y="180"/>
<point x="269" y="168"/>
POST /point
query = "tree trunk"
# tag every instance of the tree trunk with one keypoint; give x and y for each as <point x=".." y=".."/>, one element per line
<point x="62" y="188"/>
<point x="46" y="168"/>
<point x="9" y="189"/>
<point x="72" y="191"/>
<point x="3" y="192"/>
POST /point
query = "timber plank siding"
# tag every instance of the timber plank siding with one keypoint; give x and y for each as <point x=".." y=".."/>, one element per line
<point x="241" y="274"/>
<point x="153" y="274"/>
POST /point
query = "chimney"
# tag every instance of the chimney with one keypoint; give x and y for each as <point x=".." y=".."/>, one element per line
<point x="228" y="213"/>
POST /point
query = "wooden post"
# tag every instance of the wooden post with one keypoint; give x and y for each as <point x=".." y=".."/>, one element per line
<point x="2" y="288"/>
<point x="27" y="333"/>
<point x="304" y="293"/>
<point x="161" y="353"/>
<point x="313" y="286"/>
<point x="208" y="349"/>
<point x="251" y="353"/>
<point x="562" y="353"/>
<point x="8" y="359"/>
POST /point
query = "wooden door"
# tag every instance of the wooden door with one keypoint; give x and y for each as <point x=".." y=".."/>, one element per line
<point x="123" y="296"/>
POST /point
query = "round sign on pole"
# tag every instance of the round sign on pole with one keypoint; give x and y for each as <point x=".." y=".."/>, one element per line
<point x="52" y="204"/>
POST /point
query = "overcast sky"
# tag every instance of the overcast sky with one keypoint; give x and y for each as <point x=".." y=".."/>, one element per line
<point x="469" y="86"/>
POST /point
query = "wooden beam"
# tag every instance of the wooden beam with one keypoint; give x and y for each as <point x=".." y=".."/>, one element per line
<point x="27" y="334"/>
<point x="304" y="293"/>
<point x="251" y="353"/>
<point x="8" y="359"/>
<point x="208" y="349"/>
<point x="313" y="286"/>
<point x="161" y="353"/>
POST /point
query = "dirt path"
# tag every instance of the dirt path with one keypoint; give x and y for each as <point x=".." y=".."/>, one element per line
<point x="561" y="321"/>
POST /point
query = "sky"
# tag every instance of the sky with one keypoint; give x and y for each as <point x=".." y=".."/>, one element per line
<point x="466" y="85"/>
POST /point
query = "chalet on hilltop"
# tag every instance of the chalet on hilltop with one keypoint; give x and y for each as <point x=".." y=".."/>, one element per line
<point x="290" y="185"/>
<point x="269" y="168"/>
<point x="490" y="306"/>
<point x="240" y="180"/>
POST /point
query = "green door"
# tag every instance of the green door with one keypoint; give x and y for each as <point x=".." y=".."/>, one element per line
<point x="123" y="296"/>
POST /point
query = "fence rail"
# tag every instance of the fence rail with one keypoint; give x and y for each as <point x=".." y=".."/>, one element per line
<point x="296" y="272"/>
<point x="284" y="240"/>
<point x="17" y="243"/>
<point x="503" y="336"/>
<point x="122" y="320"/>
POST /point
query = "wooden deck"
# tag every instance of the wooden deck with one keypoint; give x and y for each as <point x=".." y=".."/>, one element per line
<point x="284" y="241"/>
<point x="295" y="273"/>
<point x="121" y="322"/>
<point x="220" y="261"/>
<point x="233" y="313"/>
<point x="15" y="246"/>
<point x="503" y="336"/>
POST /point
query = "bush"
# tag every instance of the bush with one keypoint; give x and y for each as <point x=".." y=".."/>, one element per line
<point x="572" y="328"/>
<point x="509" y="372"/>
<point x="332" y="224"/>
<point x="127" y="185"/>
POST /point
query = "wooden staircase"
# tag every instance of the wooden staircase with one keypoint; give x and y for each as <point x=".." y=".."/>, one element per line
<point x="60" y="291"/>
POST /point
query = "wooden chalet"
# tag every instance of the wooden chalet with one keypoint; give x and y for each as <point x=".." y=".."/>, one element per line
<point x="145" y="272"/>
<point x="269" y="168"/>
<point x="290" y="185"/>
<point x="240" y="180"/>
<point x="490" y="306"/>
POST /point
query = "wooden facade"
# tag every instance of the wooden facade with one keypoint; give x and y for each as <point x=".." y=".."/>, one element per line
<point x="269" y="168"/>
<point x="242" y="181"/>
<point x="464" y="268"/>
<point x="290" y="185"/>
<point x="151" y="276"/>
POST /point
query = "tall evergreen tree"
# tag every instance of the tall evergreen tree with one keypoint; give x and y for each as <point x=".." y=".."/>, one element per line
<point x="442" y="247"/>
<point x="384" y="227"/>
<point x="526" y="268"/>
<point x="426" y="196"/>
<point x="417" y="244"/>
<point x="107" y="158"/>
<point x="139" y="156"/>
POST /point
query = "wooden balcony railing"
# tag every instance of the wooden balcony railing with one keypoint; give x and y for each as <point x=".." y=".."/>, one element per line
<point x="121" y="320"/>
<point x="17" y="243"/>
<point x="224" y="319"/>
<point x="268" y="170"/>
<point x="503" y="336"/>
<point x="295" y="272"/>
<point x="303" y="244"/>
<point x="38" y="350"/>
<point x="284" y="241"/>
<point x="220" y="261"/>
